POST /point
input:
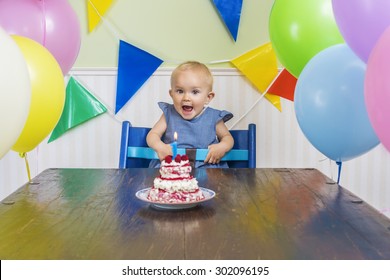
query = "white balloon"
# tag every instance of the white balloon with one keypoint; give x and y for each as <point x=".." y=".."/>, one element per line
<point x="15" y="92"/>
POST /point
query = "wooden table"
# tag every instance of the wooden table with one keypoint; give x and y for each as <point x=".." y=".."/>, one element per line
<point x="256" y="214"/>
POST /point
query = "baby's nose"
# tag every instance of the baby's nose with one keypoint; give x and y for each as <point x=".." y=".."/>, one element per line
<point x="186" y="96"/>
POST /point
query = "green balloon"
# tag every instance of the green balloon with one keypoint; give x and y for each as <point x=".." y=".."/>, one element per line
<point x="299" y="29"/>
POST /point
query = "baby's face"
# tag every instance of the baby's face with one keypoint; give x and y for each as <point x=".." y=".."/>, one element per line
<point x="190" y="93"/>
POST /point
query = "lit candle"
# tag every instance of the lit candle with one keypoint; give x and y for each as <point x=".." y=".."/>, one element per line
<point x="174" y="145"/>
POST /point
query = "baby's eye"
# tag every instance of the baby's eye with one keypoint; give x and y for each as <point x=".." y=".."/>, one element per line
<point x="195" y="91"/>
<point x="179" y="91"/>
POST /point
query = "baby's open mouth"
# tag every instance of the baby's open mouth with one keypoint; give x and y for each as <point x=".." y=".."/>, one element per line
<point x="187" y="108"/>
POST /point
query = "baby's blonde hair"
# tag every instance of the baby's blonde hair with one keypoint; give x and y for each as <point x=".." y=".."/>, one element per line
<point x="195" y="66"/>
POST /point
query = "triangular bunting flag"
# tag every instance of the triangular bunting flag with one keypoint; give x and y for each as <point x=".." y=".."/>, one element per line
<point x="135" y="66"/>
<point x="260" y="67"/>
<point x="230" y="12"/>
<point x="274" y="100"/>
<point x="96" y="9"/>
<point x="284" y="85"/>
<point x="80" y="106"/>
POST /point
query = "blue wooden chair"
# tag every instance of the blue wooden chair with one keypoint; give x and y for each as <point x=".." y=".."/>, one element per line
<point x="135" y="153"/>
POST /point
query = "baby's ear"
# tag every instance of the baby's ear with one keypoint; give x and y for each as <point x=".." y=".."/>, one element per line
<point x="210" y="95"/>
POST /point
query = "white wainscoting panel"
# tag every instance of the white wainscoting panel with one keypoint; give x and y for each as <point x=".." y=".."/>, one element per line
<point x="280" y="142"/>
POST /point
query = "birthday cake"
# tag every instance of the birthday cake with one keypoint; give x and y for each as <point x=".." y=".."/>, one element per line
<point x="175" y="183"/>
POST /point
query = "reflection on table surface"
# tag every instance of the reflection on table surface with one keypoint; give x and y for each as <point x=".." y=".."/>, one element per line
<point x="256" y="214"/>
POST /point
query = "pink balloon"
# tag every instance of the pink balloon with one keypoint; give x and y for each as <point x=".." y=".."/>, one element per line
<point x="22" y="17"/>
<point x="377" y="88"/>
<point x="62" y="36"/>
<point x="52" y="23"/>
<point x="361" y="22"/>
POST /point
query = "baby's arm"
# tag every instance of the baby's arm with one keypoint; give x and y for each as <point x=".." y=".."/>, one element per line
<point x="226" y="142"/>
<point x="154" y="139"/>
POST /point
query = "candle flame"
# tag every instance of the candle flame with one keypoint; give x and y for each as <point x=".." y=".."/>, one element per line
<point x="175" y="136"/>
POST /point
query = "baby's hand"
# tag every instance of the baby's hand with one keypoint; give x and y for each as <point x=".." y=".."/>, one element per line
<point x="163" y="151"/>
<point x="216" y="152"/>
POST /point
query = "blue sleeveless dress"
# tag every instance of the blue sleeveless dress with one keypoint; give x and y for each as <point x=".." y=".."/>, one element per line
<point x="197" y="133"/>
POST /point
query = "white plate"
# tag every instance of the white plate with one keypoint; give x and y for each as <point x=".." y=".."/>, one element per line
<point x="143" y="195"/>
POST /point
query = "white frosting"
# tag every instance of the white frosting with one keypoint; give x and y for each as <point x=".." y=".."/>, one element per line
<point x="176" y="176"/>
<point x="175" y="184"/>
<point x="175" y="169"/>
<point x="185" y="185"/>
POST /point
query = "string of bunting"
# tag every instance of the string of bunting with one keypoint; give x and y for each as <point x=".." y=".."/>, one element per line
<point x="136" y="66"/>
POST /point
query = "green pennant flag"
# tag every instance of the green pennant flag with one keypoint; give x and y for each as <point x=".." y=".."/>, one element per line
<point x="80" y="106"/>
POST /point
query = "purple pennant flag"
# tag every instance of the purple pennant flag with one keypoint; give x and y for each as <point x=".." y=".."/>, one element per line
<point x="230" y="11"/>
<point x="135" y="66"/>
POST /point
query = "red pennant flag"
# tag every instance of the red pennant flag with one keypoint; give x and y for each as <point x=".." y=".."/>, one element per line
<point x="284" y="85"/>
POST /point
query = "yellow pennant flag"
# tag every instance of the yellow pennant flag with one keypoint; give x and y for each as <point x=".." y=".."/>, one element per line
<point x="96" y="10"/>
<point x="260" y="67"/>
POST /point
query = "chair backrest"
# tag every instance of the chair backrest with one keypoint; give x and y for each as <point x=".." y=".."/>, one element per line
<point x="135" y="153"/>
<point x="244" y="140"/>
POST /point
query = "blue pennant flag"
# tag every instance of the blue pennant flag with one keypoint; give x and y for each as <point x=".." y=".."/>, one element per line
<point x="230" y="11"/>
<point x="135" y="66"/>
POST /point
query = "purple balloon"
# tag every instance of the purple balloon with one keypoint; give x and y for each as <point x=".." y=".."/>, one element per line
<point x="361" y="22"/>
<point x="52" y="23"/>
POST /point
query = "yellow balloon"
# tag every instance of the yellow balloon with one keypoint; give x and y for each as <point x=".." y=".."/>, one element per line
<point x="47" y="94"/>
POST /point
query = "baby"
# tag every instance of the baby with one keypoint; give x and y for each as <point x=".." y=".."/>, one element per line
<point x="197" y="125"/>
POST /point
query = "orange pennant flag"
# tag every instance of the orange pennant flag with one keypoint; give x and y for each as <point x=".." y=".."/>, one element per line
<point x="260" y="67"/>
<point x="284" y="85"/>
<point x="96" y="10"/>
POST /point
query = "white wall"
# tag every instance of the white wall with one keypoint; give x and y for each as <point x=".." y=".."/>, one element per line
<point x="280" y="142"/>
